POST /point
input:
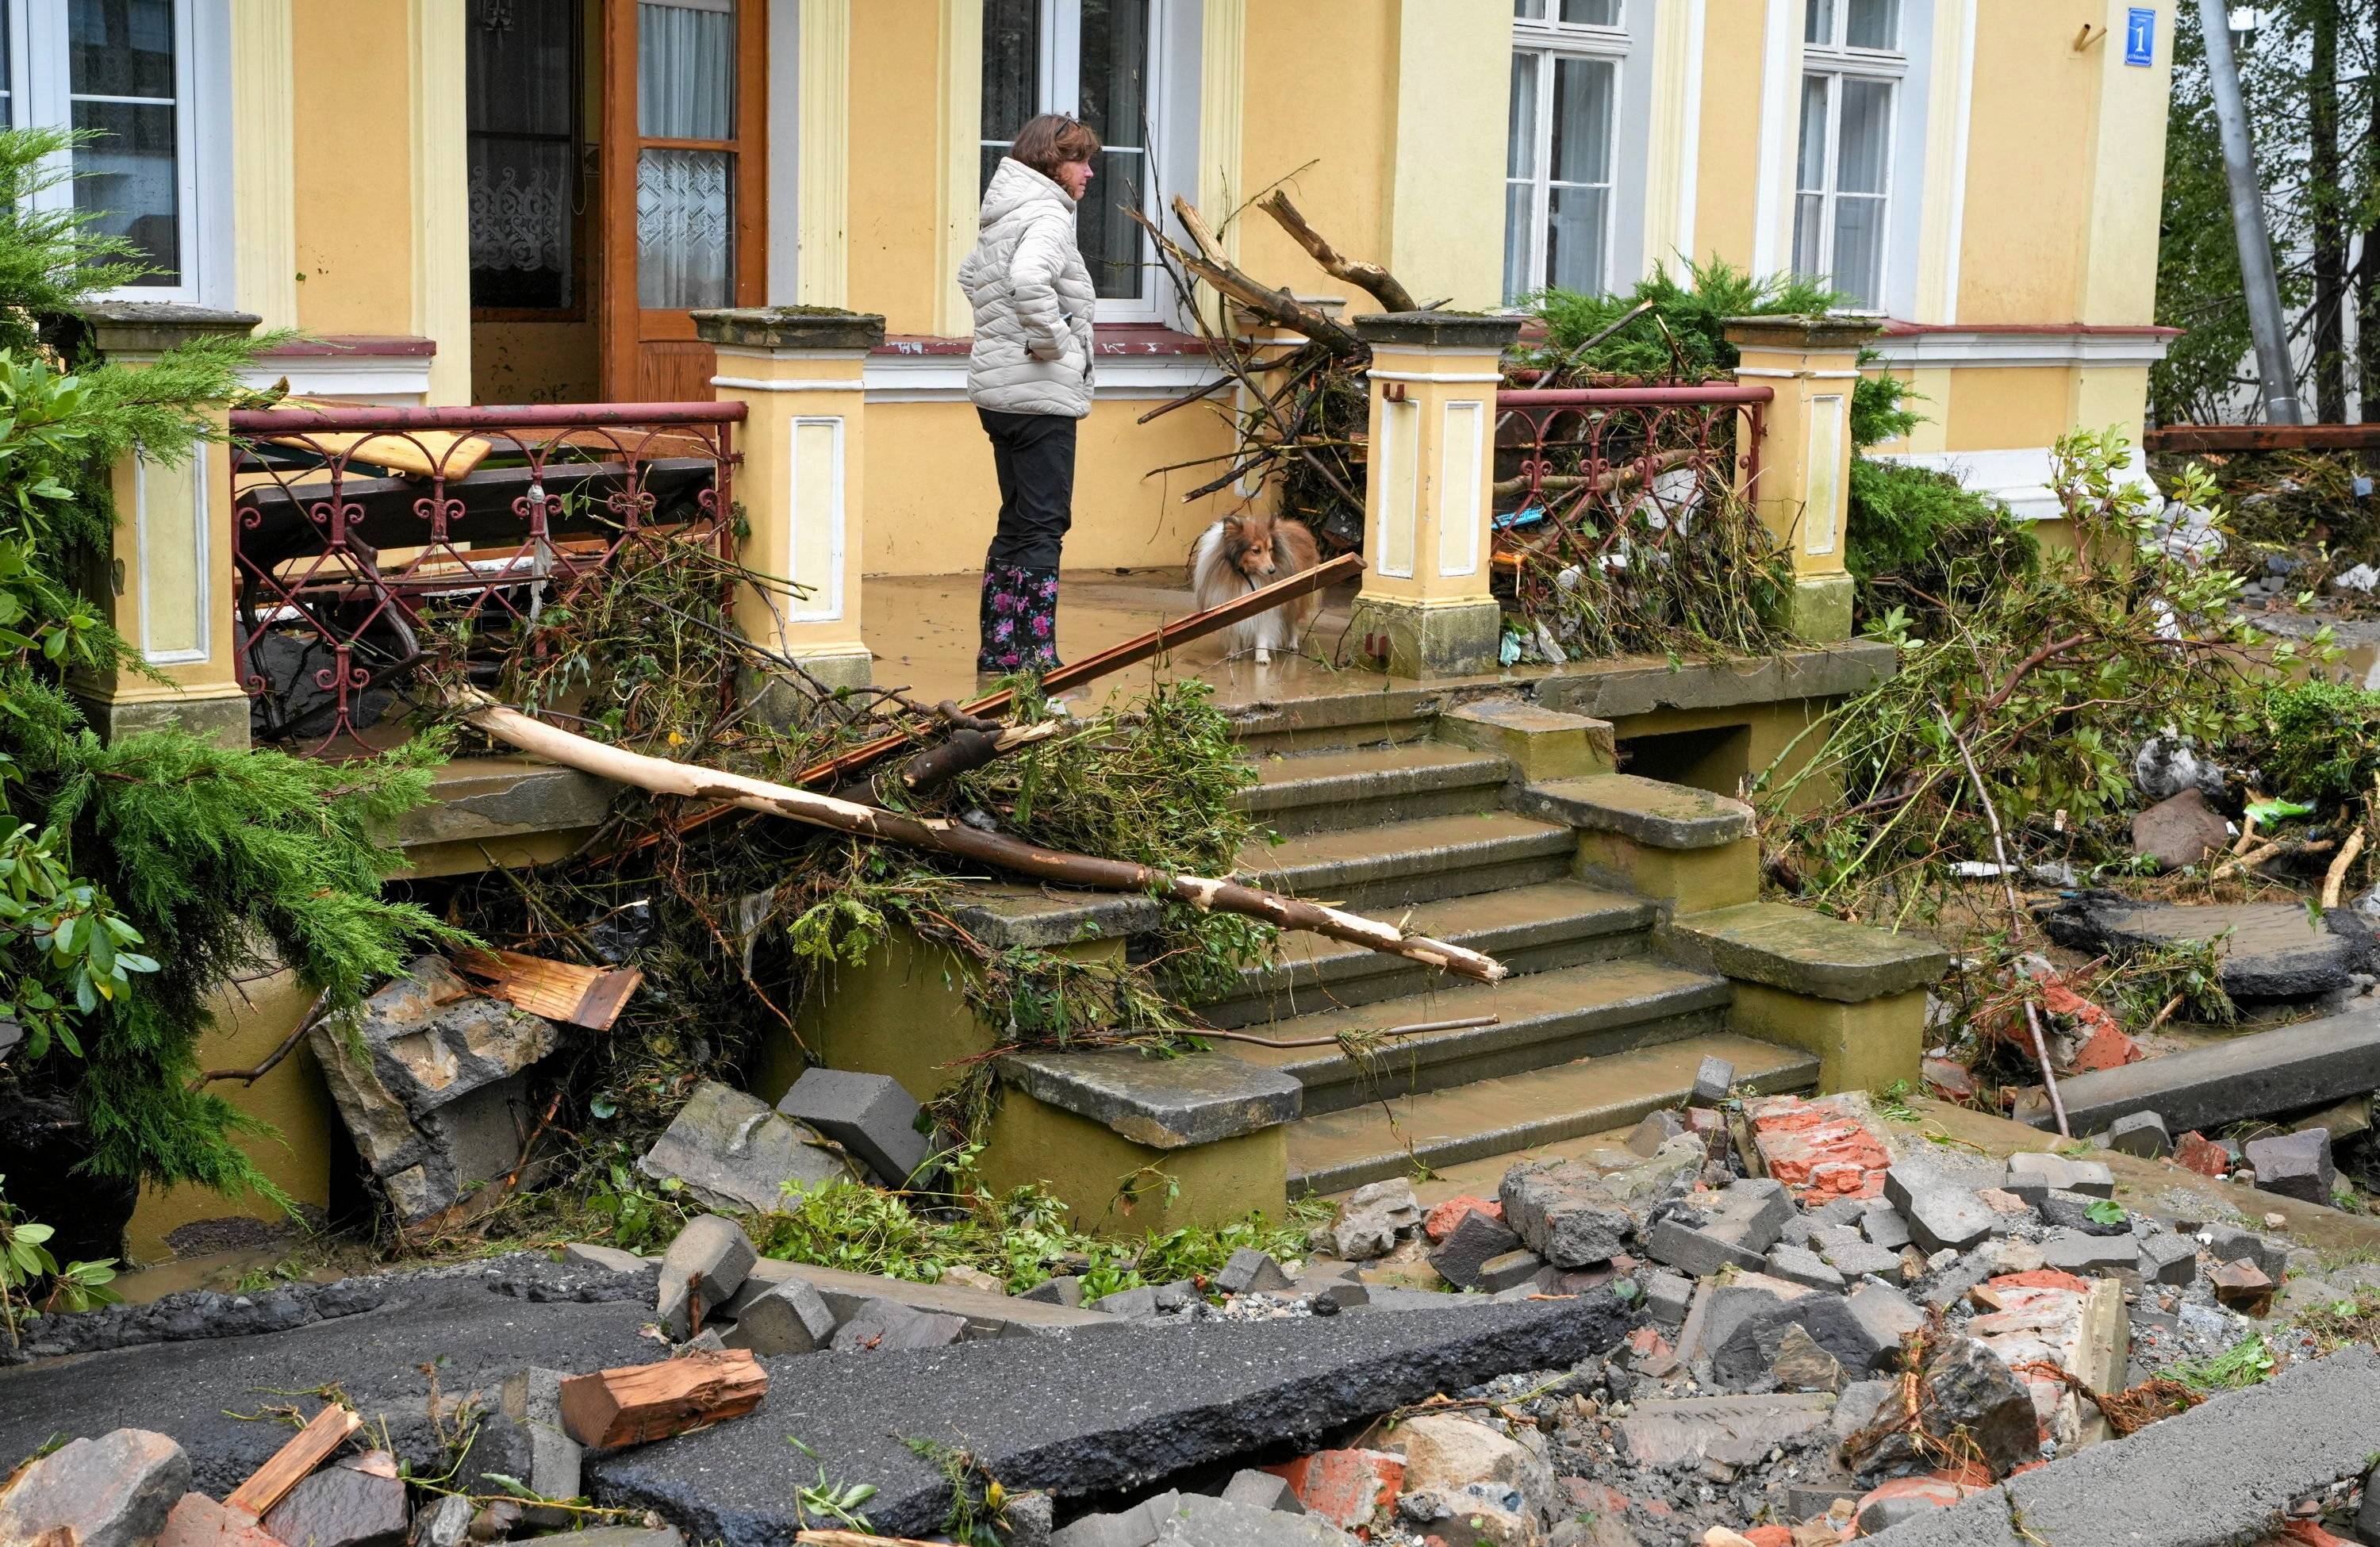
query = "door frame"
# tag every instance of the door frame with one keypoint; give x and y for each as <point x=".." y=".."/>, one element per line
<point x="627" y="327"/>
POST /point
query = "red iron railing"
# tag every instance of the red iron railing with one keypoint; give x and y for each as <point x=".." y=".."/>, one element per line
<point x="370" y="540"/>
<point x="1582" y="470"/>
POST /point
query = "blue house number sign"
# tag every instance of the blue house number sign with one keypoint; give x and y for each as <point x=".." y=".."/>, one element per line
<point x="2139" y="35"/>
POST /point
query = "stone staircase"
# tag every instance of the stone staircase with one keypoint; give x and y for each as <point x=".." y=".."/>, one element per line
<point x="1596" y="1027"/>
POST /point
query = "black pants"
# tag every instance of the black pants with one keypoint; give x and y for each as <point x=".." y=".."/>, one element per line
<point x="1035" y="456"/>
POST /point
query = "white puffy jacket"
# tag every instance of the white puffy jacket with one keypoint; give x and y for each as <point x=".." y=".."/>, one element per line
<point x="1032" y="297"/>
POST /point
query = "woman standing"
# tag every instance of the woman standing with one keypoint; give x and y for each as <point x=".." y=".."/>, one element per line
<point x="1029" y="378"/>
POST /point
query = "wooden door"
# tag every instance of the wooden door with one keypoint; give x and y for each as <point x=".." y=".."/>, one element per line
<point x="684" y="152"/>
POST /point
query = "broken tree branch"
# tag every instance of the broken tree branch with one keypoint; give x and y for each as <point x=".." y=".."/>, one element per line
<point x="969" y="748"/>
<point x="288" y="1044"/>
<point x="2016" y="913"/>
<point x="2335" y="882"/>
<point x="1372" y="279"/>
<point x="998" y="850"/>
<point x="1277" y="306"/>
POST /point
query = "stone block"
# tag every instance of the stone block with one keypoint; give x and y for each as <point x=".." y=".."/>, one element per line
<point x="531" y="1397"/>
<point x="1808" y="953"/>
<point x="1800" y="1365"/>
<point x="1542" y="744"/>
<point x="1197" y="1520"/>
<point x="1066" y="1290"/>
<point x="114" y="1490"/>
<point x="1563" y="1214"/>
<point x="1443" y="1217"/>
<point x="2087" y="1256"/>
<point x="1942" y="1215"/>
<point x="1368" y="1223"/>
<point x="1135" y="1304"/>
<point x="1680" y="1433"/>
<point x="2180" y="830"/>
<point x="2295" y="1165"/>
<point x="1666" y="1298"/>
<point x="1656" y="1129"/>
<point x="1752" y="1348"/>
<point x="888" y="1325"/>
<point x="1735" y="1228"/>
<point x="611" y="1260"/>
<point x="1262" y="1490"/>
<point x="731" y="1152"/>
<point x="1646" y="811"/>
<point x="1714" y="1078"/>
<point x="707" y="1262"/>
<point x="1886" y="1313"/>
<point x="198" y="1522"/>
<point x="2170" y="1258"/>
<point x="1250" y="1272"/>
<point x="1478" y="1238"/>
<point x="1883" y="1227"/>
<point x="1859" y="1258"/>
<point x="1509" y="1270"/>
<point x="2071" y="1210"/>
<point x="2228" y="1243"/>
<point x="1136" y="1527"/>
<point x="790" y="1317"/>
<point x="340" y="1506"/>
<point x="2243" y="1287"/>
<point x="1800" y="1265"/>
<point x="1448" y="1452"/>
<point x="869" y="1114"/>
<point x="987" y="1316"/>
<point x="2142" y="1134"/>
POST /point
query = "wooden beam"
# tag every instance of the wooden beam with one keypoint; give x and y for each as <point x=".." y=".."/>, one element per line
<point x="638" y="1403"/>
<point x="295" y="1461"/>
<point x="2263" y="437"/>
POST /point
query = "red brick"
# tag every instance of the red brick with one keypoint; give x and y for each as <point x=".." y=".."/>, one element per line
<point x="2197" y="1152"/>
<point x="1817" y="1150"/>
<point x="1768" y="1536"/>
<point x="2040" y="1278"/>
<point x="1440" y="1222"/>
<point x="1952" y="1082"/>
<point x="1941" y="1493"/>
<point x="198" y="1522"/>
<point x="1345" y="1487"/>
<point x="1648" y="1343"/>
<point x="2308" y="1533"/>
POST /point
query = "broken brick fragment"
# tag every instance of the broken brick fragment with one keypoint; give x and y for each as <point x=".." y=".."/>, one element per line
<point x="2041" y="1278"/>
<point x="2242" y="1287"/>
<point x="2195" y="1152"/>
<point x="1768" y="1536"/>
<point x="1345" y="1487"/>
<point x="1440" y="1222"/>
<point x="1818" y="1149"/>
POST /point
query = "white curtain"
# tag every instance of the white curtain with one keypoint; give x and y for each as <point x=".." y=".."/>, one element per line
<point x="685" y="90"/>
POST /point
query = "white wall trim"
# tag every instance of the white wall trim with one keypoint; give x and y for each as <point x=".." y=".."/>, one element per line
<point x="201" y="478"/>
<point x="1435" y="375"/>
<point x="1781" y="121"/>
<point x="2020" y="476"/>
<point x="825" y="603"/>
<point x="1690" y="154"/>
<point x="783" y="283"/>
<point x="942" y="378"/>
<point x="379" y="377"/>
<point x="755" y="384"/>
<point x="2021" y="350"/>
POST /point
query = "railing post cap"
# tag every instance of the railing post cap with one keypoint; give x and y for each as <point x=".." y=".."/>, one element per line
<point x="790" y="327"/>
<point x="1458" y="330"/>
<point x="135" y="328"/>
<point x="1801" y="332"/>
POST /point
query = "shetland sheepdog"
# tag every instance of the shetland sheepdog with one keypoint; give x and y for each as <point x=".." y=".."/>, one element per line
<point x="1243" y="553"/>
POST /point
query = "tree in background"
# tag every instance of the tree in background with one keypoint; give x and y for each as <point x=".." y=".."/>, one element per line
<point x="2307" y="74"/>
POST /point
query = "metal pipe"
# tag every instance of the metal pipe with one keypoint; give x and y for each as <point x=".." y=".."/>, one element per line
<point x="2275" y="373"/>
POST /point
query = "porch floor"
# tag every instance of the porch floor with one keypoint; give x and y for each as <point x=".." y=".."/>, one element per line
<point x="922" y="629"/>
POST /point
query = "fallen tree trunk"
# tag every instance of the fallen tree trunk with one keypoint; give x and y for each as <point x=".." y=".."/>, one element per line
<point x="1372" y="279"/>
<point x="662" y="776"/>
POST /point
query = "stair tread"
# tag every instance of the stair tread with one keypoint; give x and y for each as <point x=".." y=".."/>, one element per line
<point x="1657" y="987"/>
<point x="1413" y="757"/>
<point x="1464" y="921"/>
<point x="1400" y="839"/>
<point x="1517" y="1111"/>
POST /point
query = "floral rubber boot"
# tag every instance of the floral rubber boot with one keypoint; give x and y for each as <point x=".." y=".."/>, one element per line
<point x="1019" y="620"/>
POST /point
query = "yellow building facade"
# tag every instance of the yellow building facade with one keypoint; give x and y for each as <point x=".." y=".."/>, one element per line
<point x="521" y="200"/>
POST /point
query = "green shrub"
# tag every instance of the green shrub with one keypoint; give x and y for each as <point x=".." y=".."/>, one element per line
<point x="1684" y="336"/>
<point x="2323" y="740"/>
<point x="1918" y="539"/>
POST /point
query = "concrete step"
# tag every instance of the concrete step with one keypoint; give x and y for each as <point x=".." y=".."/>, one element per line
<point x="1529" y="928"/>
<point x="1338" y="718"/>
<point x="1333" y="1151"/>
<point x="1416" y="861"/>
<point x="1321" y="792"/>
<point x="1544" y="1019"/>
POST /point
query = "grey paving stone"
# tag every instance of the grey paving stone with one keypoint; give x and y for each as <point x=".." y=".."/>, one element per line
<point x="707" y="1262"/>
<point x="2072" y="1251"/>
<point x="2170" y="1258"/>
<point x="2142" y="1134"/>
<point x="869" y="1114"/>
<point x="1800" y="1266"/>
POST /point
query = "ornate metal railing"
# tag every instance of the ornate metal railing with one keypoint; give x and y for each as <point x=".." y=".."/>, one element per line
<point x="369" y="542"/>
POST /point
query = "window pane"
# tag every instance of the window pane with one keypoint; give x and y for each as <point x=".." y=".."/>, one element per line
<point x="685" y="69"/>
<point x="1528" y="10"/>
<point x="1810" y="234"/>
<point x="686" y="232"/>
<point x="1011" y="73"/>
<point x="1581" y="141"/>
<point x="1864" y="138"/>
<point x="1574" y="228"/>
<point x="1819" y="22"/>
<point x="1110" y="241"/>
<point x="121" y="48"/>
<point x="1521" y="132"/>
<point x="1517" y="199"/>
<point x="520" y="78"/>
<point x="129" y="179"/>
<point x="1810" y="164"/>
<point x="1872" y="23"/>
<point x="1115" y="69"/>
<point x="1859" y="250"/>
<point x="1591" y="13"/>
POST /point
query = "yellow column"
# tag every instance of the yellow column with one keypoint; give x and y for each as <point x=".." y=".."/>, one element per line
<point x="264" y="181"/>
<point x="441" y="196"/>
<point x="823" y="216"/>
<point x="797" y="374"/>
<point x="1453" y="82"/>
<point x="168" y="588"/>
<point x="1805" y="452"/>
<point x="1425" y="610"/>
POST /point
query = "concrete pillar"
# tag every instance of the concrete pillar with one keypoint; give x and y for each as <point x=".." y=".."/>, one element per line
<point x="169" y="584"/>
<point x="1425" y="610"/>
<point x="797" y="374"/>
<point x="1805" y="453"/>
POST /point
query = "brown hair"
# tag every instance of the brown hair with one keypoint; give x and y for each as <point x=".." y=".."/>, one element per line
<point x="1050" y="141"/>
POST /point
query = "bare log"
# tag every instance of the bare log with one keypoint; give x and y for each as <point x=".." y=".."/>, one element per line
<point x="638" y="1403"/>
<point x="2335" y="882"/>
<point x="998" y="850"/>
<point x="1372" y="279"/>
<point x="1277" y="306"/>
<point x="969" y="748"/>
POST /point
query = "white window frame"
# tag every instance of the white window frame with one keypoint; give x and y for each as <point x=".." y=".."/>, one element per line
<point x="1536" y="44"/>
<point x="1059" y="89"/>
<point x="42" y="94"/>
<point x="1836" y="61"/>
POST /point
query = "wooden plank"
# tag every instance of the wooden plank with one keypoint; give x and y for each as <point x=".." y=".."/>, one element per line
<point x="2263" y="437"/>
<point x="639" y="1403"/>
<point x="588" y="997"/>
<point x="295" y="1461"/>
